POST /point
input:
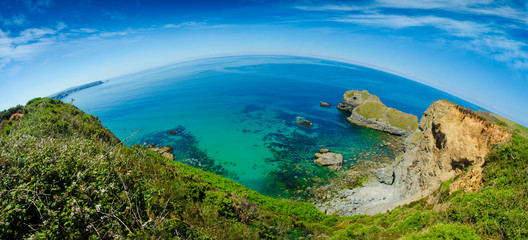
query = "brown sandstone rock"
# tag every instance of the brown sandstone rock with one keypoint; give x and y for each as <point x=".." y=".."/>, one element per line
<point x="332" y="161"/>
<point x="165" y="151"/>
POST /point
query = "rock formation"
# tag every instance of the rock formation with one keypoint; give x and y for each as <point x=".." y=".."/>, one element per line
<point x="450" y="139"/>
<point x="333" y="161"/>
<point x="324" y="104"/>
<point x="165" y="151"/>
<point x="367" y="110"/>
<point x="305" y="123"/>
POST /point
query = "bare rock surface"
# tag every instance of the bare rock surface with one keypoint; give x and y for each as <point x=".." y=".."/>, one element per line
<point x="333" y="161"/>
<point x="450" y="138"/>
<point x="165" y="151"/>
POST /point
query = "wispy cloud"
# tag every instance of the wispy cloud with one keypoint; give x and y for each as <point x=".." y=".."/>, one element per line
<point x="38" y="6"/>
<point x="451" y="26"/>
<point x="16" y="20"/>
<point x="29" y="41"/>
<point x="184" y="24"/>
<point x="84" y="30"/>
<point x="117" y="15"/>
<point x="331" y="7"/>
<point x="485" y="7"/>
<point x="475" y="32"/>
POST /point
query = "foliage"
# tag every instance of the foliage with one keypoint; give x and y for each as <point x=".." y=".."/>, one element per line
<point x="65" y="176"/>
<point x="446" y="232"/>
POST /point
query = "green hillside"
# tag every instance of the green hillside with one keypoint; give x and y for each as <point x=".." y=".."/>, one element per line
<point x="65" y="176"/>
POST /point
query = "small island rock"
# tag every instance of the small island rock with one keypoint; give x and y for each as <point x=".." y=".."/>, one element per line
<point x="367" y="110"/>
<point x="324" y="104"/>
<point x="333" y="161"/>
<point x="305" y="123"/>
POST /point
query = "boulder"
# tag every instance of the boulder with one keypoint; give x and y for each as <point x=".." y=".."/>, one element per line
<point x="305" y="123"/>
<point x="384" y="175"/>
<point x="324" y="150"/>
<point x="165" y="151"/>
<point x="324" y="104"/>
<point x="332" y="161"/>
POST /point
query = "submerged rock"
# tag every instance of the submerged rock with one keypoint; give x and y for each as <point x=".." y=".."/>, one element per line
<point x="333" y="161"/>
<point x="305" y="123"/>
<point x="367" y="110"/>
<point x="324" y="104"/>
<point x="324" y="150"/>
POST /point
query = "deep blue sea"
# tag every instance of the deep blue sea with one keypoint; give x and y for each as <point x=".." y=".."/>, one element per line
<point x="236" y="116"/>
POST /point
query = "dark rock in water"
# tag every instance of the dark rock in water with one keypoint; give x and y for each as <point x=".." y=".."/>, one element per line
<point x="324" y="150"/>
<point x="324" y="104"/>
<point x="165" y="150"/>
<point x="305" y="123"/>
<point x="333" y="161"/>
<point x="174" y="132"/>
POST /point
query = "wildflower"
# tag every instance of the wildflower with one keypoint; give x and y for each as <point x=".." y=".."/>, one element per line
<point x="2" y="223"/>
<point x="31" y="238"/>
<point x="98" y="207"/>
<point x="77" y="209"/>
<point x="18" y="210"/>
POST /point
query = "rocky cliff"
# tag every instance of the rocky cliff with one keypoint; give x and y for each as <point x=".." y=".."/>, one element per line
<point x="449" y="140"/>
<point x="367" y="110"/>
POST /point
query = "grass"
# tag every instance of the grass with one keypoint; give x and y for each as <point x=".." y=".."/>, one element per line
<point x="65" y="176"/>
<point x="518" y="128"/>
<point x="395" y="117"/>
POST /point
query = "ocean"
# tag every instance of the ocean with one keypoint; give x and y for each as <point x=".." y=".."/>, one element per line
<point x="236" y="116"/>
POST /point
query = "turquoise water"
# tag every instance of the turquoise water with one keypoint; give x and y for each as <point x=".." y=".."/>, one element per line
<point x="236" y="116"/>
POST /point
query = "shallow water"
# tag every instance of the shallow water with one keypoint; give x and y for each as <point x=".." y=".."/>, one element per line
<point x="237" y="115"/>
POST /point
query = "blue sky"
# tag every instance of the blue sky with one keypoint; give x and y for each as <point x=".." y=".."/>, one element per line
<point x="474" y="49"/>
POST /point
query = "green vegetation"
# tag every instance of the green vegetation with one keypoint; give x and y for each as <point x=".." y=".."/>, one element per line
<point x="65" y="176"/>
<point x="361" y="95"/>
<point x="502" y="121"/>
<point x="395" y="117"/>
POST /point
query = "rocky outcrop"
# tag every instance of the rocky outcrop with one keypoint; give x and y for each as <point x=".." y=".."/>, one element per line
<point x="333" y="161"/>
<point x="449" y="139"/>
<point x="165" y="151"/>
<point x="324" y="104"/>
<point x="16" y="116"/>
<point x="367" y="110"/>
<point x="305" y="123"/>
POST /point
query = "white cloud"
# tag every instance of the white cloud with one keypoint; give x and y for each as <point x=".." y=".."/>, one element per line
<point x="27" y="43"/>
<point x="476" y="7"/>
<point x="431" y="4"/>
<point x="38" y="5"/>
<point x="453" y="27"/>
<point x="17" y="20"/>
<point x="332" y="7"/>
<point x="114" y="14"/>
<point x="88" y="30"/>
<point x="502" y="49"/>
<point x="184" y="24"/>
<point x="484" y="36"/>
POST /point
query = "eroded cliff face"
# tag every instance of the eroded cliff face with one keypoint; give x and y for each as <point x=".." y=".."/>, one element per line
<point x="449" y="139"/>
